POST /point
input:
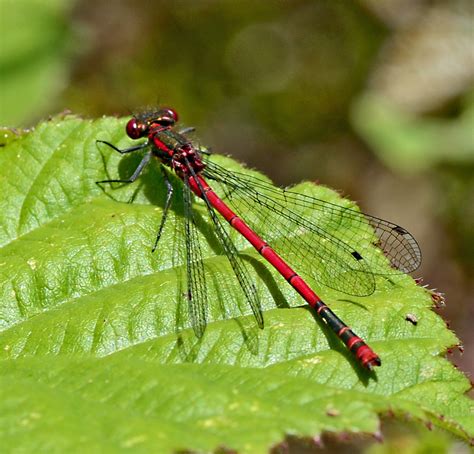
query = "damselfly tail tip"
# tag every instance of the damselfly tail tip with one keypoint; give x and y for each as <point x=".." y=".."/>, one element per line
<point x="367" y="357"/>
<point x="375" y="362"/>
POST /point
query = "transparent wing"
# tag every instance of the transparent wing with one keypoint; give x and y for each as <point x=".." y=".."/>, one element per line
<point x="334" y="242"/>
<point x="196" y="279"/>
<point x="238" y="266"/>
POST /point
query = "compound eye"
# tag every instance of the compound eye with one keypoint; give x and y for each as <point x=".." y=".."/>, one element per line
<point x="169" y="116"/>
<point x="135" y="129"/>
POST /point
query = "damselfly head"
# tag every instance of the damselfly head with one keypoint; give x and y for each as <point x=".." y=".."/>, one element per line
<point x="167" y="116"/>
<point x="136" y="128"/>
<point x="140" y="124"/>
<point x="163" y="117"/>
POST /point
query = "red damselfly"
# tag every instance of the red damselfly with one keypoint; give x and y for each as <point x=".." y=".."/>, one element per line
<point x="258" y="210"/>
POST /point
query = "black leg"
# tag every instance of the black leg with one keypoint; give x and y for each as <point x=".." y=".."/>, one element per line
<point x="126" y="150"/>
<point x="135" y="192"/>
<point x="138" y="171"/>
<point x="169" y="195"/>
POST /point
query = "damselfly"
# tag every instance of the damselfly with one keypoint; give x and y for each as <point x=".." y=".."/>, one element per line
<point x="282" y="225"/>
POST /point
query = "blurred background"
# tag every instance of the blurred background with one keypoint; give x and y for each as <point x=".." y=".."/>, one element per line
<point x="374" y="98"/>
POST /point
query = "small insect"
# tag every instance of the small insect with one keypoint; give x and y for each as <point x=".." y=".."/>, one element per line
<point x="412" y="319"/>
<point x="283" y="226"/>
<point x="332" y="412"/>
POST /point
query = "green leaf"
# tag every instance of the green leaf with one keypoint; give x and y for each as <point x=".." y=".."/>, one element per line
<point x="96" y="348"/>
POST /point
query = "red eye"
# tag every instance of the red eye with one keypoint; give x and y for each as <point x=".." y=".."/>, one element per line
<point x="169" y="114"/>
<point x="135" y="129"/>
